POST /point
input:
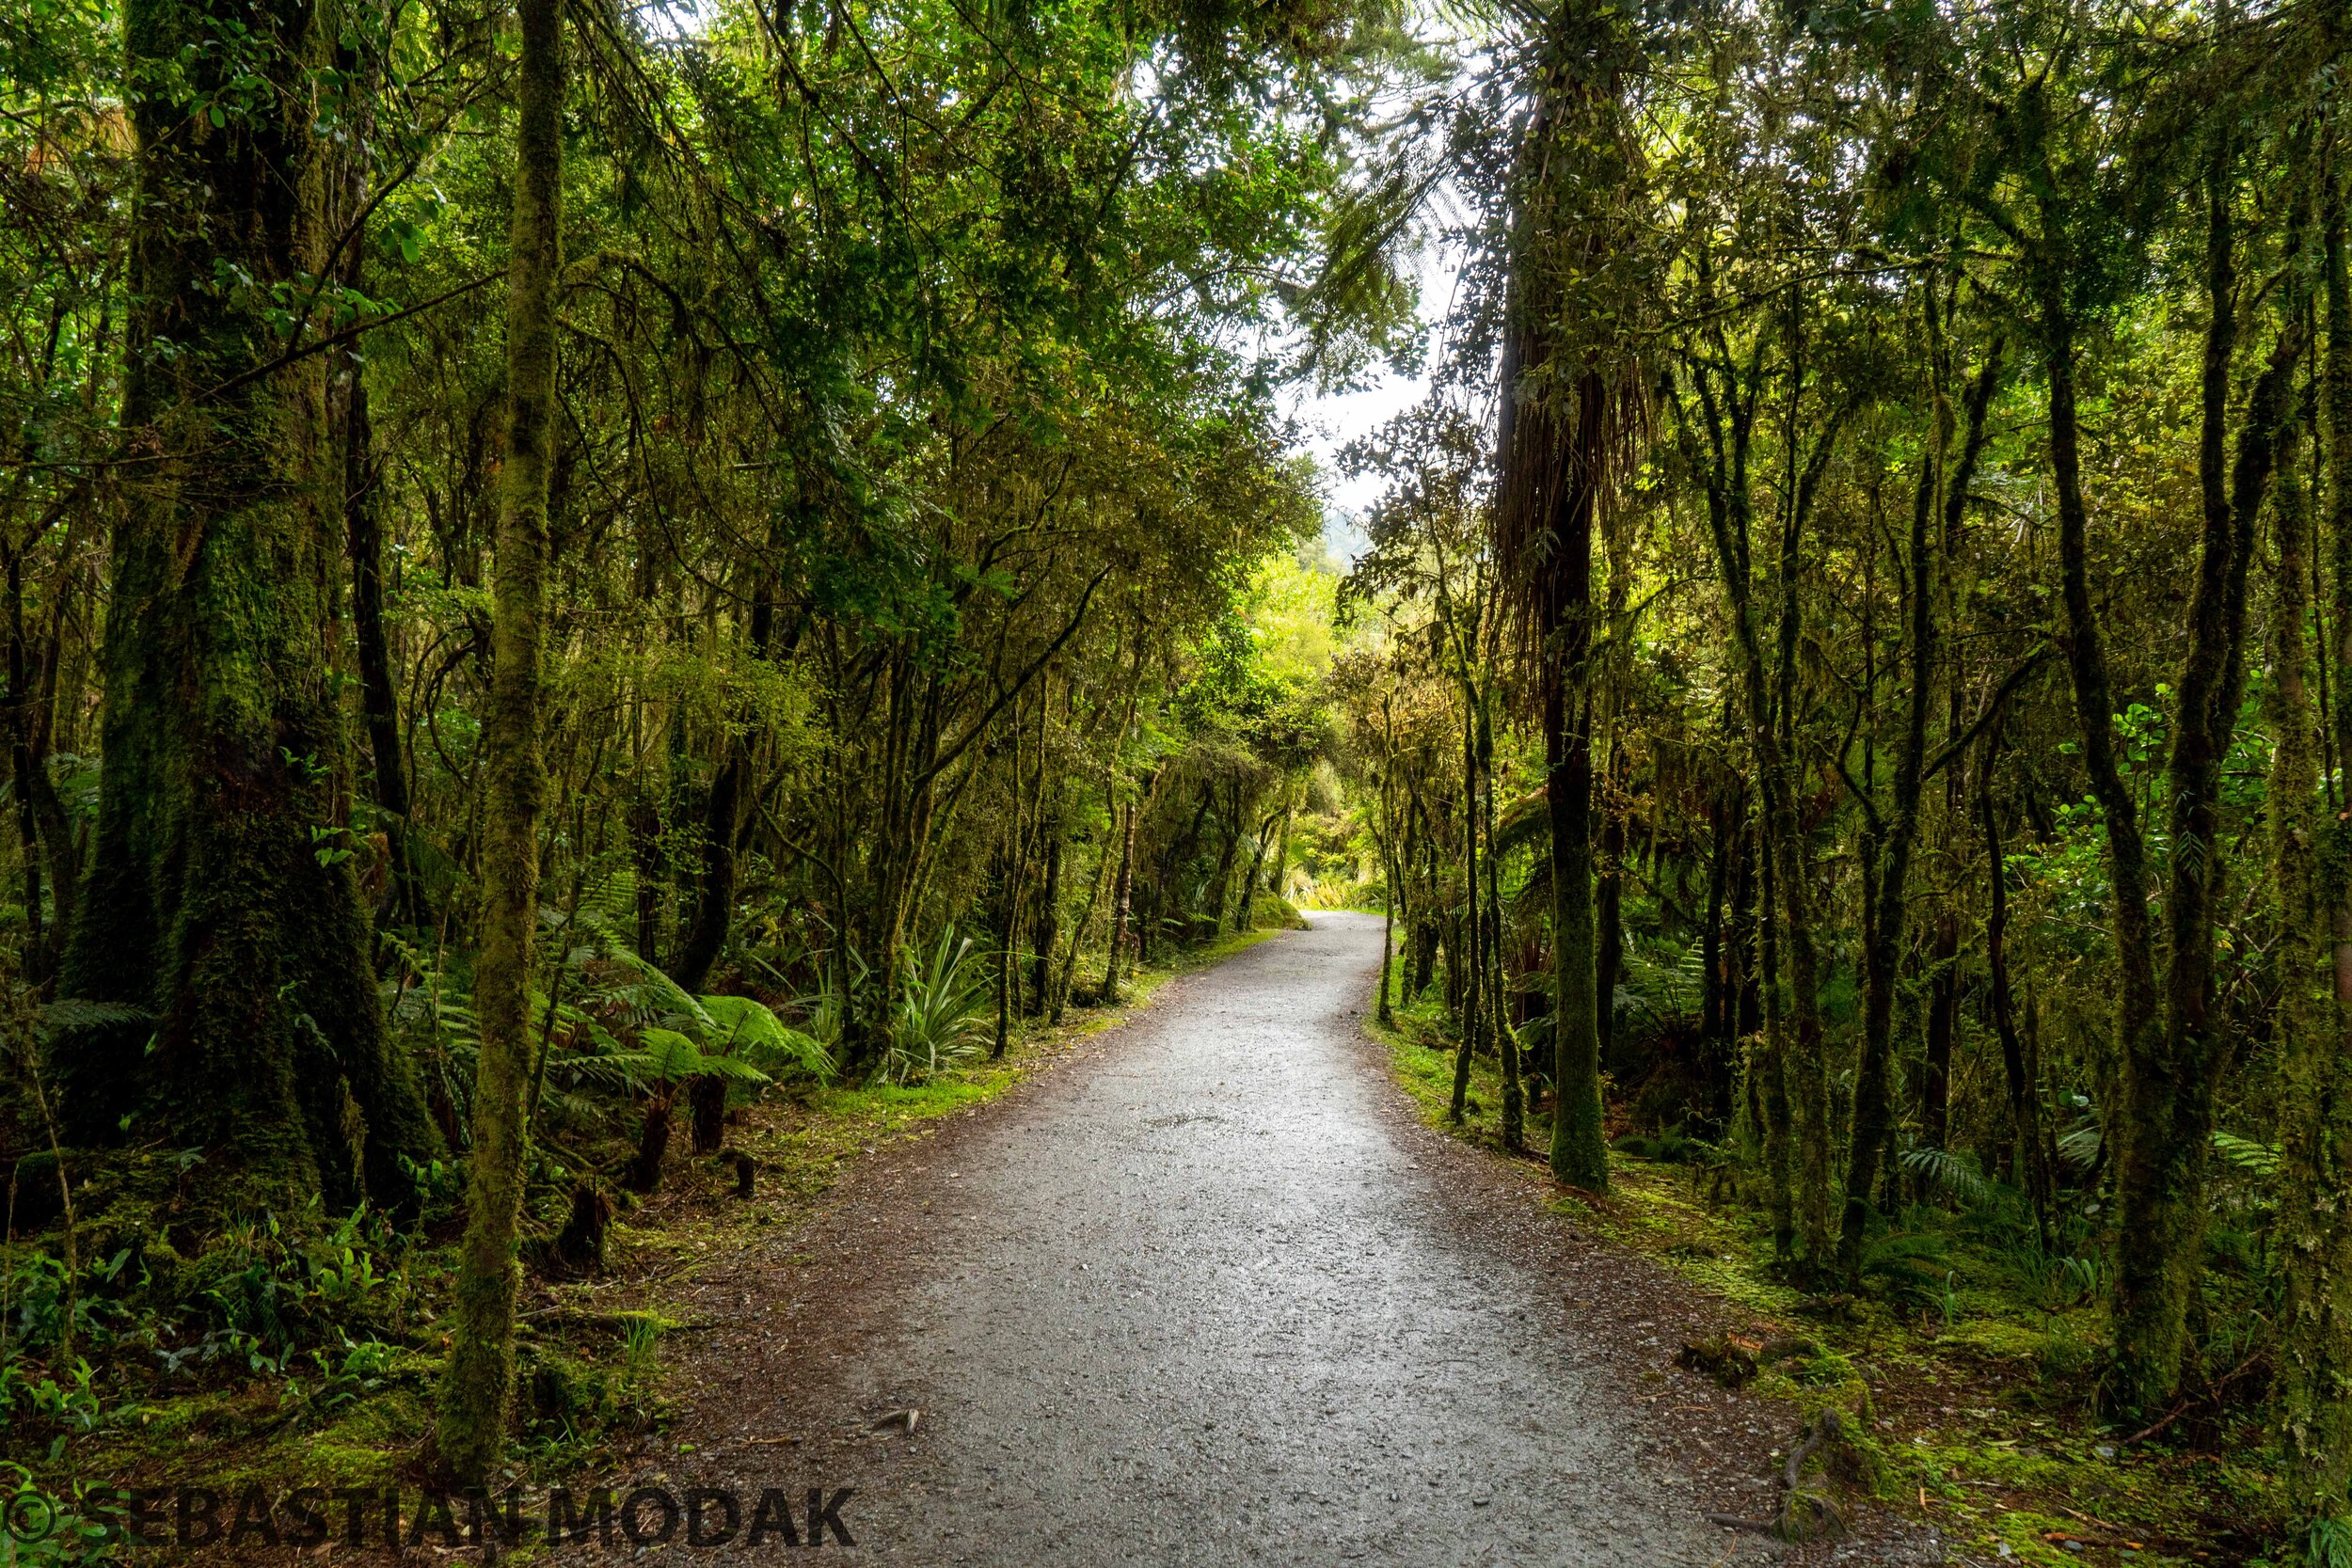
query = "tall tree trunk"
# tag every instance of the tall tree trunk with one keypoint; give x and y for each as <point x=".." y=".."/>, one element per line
<point x="1609" y="906"/>
<point x="217" y="899"/>
<point x="712" y="912"/>
<point x="2171" y="1069"/>
<point x="60" y="844"/>
<point x="477" y="1385"/>
<point x="1103" y="865"/>
<point x="1935" y="1087"/>
<point x="1794" y="1093"/>
<point x="1008" y="937"/>
<point x="2025" y="1089"/>
<point x="1045" y="925"/>
<point x="23" y="762"/>
<point x="1721" y="947"/>
<point x="1471" y="1018"/>
<point x="1421" y="940"/>
<point x="1715" y="986"/>
<point x="1395" y="875"/>
<point x="363" y="537"/>
<point x="713" y="915"/>
<point x="2139" y="1031"/>
<point x="1222" y="888"/>
<point x="1513" y="1093"/>
<point x="1872" y="1112"/>
<point x="1806" y="1055"/>
<point x="2315" y="1032"/>
<point x="1778" y="1130"/>
<point x="1121" y="893"/>
<point x="1554" y="443"/>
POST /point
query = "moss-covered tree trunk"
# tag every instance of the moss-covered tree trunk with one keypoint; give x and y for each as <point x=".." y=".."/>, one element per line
<point x="1609" y="900"/>
<point x="2086" y="655"/>
<point x="1580" y="1154"/>
<point x="1123" y="894"/>
<point x="713" y="915"/>
<point x="2018" y="1069"/>
<point x="1506" y="1044"/>
<point x="1006" y="878"/>
<point x="1805" y="1057"/>
<point x="1952" y="473"/>
<point x="1392" y="872"/>
<point x="1767" y="1069"/>
<point x="220" y="895"/>
<point x="1565" y="391"/>
<point x="1873" y="1122"/>
<point x="477" y="1384"/>
<point x="1472" y="1016"/>
<point x="2315" y="1336"/>
<point x="1788" y="1079"/>
<point x="371" y="649"/>
<point x="1045" y="920"/>
<point x="2315" y="1152"/>
<point x="1221" y="888"/>
<point x="1551" y="461"/>
<point x="2172" y="1071"/>
<point x="27" y="770"/>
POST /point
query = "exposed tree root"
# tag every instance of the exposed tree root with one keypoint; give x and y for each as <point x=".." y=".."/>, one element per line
<point x="1802" y="1515"/>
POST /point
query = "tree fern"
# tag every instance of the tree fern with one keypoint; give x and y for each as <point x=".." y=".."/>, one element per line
<point x="667" y="1057"/>
<point x="1953" y="1174"/>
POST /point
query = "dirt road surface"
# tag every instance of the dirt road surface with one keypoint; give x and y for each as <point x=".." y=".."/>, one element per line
<point x="1210" y="1294"/>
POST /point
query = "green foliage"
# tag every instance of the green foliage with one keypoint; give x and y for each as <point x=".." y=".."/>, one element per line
<point x="1911" y="1268"/>
<point x="667" y="1057"/>
<point x="2327" y="1543"/>
<point x="51" y="1531"/>
<point x="1955" y="1174"/>
<point x="2255" y="1159"/>
<point x="938" y="1018"/>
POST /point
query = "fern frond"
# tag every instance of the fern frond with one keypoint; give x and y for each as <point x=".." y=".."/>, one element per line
<point x="2080" y="1147"/>
<point x="1956" y="1174"/>
<point x="72" y="1012"/>
<point x="2255" y="1159"/>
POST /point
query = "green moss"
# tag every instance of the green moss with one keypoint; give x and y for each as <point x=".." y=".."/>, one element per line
<point x="2026" y="1535"/>
<point x="1273" y="912"/>
<point x="362" y="1448"/>
<point x="2003" y="1340"/>
<point x="2001" y="1462"/>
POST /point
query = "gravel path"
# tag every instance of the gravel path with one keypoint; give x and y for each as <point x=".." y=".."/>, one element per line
<point x="1205" y="1296"/>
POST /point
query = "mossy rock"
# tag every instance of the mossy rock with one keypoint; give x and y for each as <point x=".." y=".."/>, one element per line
<point x="561" y="1390"/>
<point x="1272" y="911"/>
